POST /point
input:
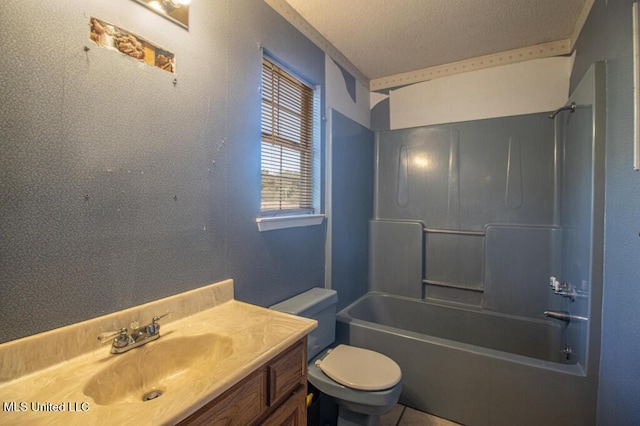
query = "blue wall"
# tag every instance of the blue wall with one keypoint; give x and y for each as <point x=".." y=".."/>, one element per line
<point x="171" y="172"/>
<point x="607" y="35"/>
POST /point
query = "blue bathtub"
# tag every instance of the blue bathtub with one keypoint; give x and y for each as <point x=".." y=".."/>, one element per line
<point x="472" y="366"/>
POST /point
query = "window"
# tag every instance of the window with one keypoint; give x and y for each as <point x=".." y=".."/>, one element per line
<point x="287" y="143"/>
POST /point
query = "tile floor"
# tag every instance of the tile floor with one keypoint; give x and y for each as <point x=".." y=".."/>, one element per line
<point x="406" y="416"/>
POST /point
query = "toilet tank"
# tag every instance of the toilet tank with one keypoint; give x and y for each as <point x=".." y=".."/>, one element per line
<point x="318" y="304"/>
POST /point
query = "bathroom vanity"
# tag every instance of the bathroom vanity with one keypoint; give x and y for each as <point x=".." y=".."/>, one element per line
<point x="274" y="394"/>
<point x="217" y="361"/>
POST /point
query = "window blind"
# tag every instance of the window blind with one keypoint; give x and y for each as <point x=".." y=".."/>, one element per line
<point x="287" y="142"/>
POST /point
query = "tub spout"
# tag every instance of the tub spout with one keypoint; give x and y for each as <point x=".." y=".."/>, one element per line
<point x="559" y="315"/>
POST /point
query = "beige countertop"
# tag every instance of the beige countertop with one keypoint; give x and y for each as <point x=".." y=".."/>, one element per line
<point x="41" y="383"/>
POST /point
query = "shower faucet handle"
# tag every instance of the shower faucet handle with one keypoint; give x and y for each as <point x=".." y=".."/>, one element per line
<point x="557" y="285"/>
<point x="563" y="288"/>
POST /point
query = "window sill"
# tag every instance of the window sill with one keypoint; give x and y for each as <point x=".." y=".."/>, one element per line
<point x="282" y="222"/>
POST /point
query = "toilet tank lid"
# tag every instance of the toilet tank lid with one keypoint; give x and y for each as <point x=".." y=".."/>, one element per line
<point x="309" y="302"/>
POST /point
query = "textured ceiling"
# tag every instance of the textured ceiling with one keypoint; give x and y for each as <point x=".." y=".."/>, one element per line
<point x="387" y="37"/>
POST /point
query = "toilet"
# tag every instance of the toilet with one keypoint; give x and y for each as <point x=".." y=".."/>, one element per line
<point x="364" y="383"/>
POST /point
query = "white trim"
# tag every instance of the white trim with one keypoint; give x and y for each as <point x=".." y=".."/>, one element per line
<point x="283" y="222"/>
<point x="538" y="51"/>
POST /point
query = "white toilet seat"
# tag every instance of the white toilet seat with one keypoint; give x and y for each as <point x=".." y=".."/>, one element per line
<point x="361" y="369"/>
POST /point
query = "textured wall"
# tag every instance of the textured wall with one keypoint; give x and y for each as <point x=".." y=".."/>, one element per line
<point x="118" y="187"/>
<point x="607" y="35"/>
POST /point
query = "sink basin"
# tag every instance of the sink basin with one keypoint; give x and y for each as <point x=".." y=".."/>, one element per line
<point x="149" y="371"/>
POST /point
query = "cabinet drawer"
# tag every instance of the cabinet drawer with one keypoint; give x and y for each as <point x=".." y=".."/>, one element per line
<point x="240" y="405"/>
<point x="286" y="372"/>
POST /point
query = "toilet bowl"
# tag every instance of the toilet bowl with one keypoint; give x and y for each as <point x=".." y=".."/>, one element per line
<point x="364" y="383"/>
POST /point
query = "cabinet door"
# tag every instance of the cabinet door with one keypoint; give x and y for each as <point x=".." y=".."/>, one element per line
<point x="287" y="372"/>
<point x="292" y="413"/>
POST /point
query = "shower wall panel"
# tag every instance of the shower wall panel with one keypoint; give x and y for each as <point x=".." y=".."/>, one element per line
<point x="395" y="258"/>
<point x="518" y="263"/>
<point x="352" y="206"/>
<point x="463" y="176"/>
<point x="458" y="181"/>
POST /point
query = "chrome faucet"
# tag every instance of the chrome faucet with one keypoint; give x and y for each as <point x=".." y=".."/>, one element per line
<point x="570" y="291"/>
<point x="124" y="341"/>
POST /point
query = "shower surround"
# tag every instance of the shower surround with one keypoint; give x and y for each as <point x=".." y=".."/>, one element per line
<point x="470" y="222"/>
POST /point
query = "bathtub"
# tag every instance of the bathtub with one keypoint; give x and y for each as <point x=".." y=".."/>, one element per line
<point x="473" y="367"/>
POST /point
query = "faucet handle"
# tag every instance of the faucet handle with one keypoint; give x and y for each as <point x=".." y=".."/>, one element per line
<point x="159" y="317"/>
<point x="107" y="336"/>
<point x="154" y="328"/>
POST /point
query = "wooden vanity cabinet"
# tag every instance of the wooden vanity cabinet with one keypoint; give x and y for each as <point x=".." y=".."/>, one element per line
<point x="274" y="394"/>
